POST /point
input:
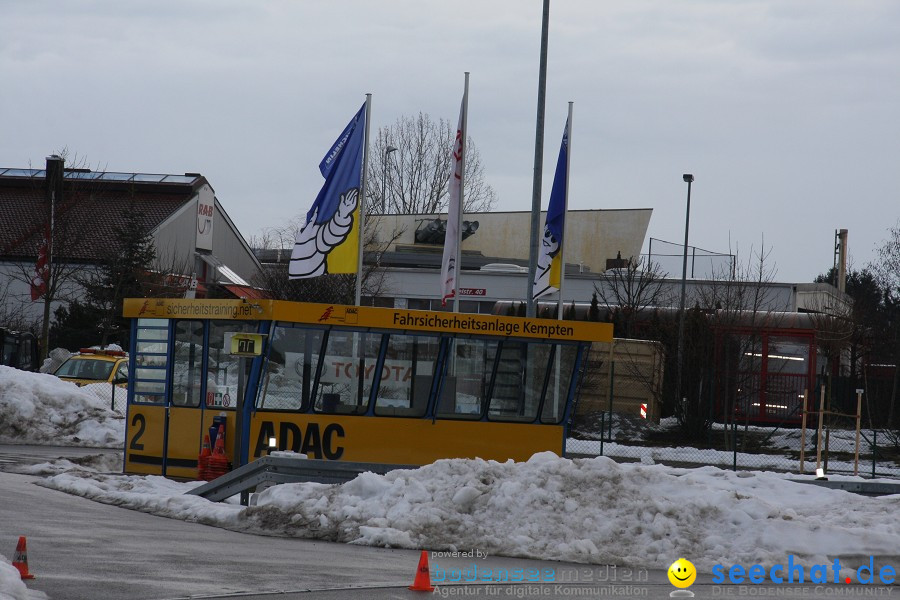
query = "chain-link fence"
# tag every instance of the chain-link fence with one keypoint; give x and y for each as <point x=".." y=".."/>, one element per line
<point x="619" y="417"/>
<point x="113" y="396"/>
<point x="702" y="264"/>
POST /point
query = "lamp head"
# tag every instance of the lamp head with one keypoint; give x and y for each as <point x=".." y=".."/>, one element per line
<point x="688" y="177"/>
<point x="390" y="149"/>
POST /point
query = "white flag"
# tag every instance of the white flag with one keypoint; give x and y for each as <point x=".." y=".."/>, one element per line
<point x="449" y="268"/>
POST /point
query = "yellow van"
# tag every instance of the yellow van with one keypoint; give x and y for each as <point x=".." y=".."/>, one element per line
<point x="91" y="365"/>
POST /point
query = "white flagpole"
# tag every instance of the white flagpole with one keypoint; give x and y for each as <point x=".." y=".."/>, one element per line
<point x="462" y="195"/>
<point x="362" y="204"/>
<point x="562" y="247"/>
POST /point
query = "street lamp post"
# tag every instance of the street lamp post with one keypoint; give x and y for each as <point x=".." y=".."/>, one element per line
<point x="387" y="153"/>
<point x="689" y="179"/>
<point x="536" y="231"/>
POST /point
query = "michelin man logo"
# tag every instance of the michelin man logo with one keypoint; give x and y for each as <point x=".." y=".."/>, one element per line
<point x="316" y="240"/>
<point x="549" y="249"/>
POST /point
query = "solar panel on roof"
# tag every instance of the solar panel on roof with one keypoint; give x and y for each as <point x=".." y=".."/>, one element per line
<point x="178" y="179"/>
<point x="116" y="176"/>
<point x="20" y="172"/>
<point x="103" y="176"/>
<point x="81" y="175"/>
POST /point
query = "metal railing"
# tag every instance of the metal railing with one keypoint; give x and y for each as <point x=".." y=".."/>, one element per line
<point x="282" y="469"/>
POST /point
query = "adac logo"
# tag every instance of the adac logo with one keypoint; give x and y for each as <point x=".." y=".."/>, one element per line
<point x="682" y="574"/>
<point x="344" y="314"/>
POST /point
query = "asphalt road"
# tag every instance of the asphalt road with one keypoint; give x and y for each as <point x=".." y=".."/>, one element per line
<point x="13" y="455"/>
<point x="82" y="550"/>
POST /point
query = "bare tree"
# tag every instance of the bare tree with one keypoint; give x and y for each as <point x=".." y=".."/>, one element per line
<point x="629" y="296"/>
<point x="887" y="271"/>
<point x="278" y="238"/>
<point x="887" y="267"/>
<point x="721" y="327"/>
<point x="744" y="289"/>
<point x="628" y="291"/>
<point x="409" y="169"/>
<point x="67" y="238"/>
<point x="736" y="306"/>
<point x="12" y="312"/>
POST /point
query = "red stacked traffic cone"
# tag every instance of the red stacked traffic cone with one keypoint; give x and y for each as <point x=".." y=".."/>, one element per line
<point x="203" y="460"/>
<point x="20" y="559"/>
<point x="217" y="463"/>
<point x="422" y="582"/>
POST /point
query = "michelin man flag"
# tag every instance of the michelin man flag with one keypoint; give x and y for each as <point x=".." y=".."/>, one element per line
<point x="549" y="267"/>
<point x="329" y="241"/>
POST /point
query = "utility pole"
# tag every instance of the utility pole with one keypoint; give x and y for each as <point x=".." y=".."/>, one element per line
<point x="538" y="165"/>
<point x="54" y="191"/>
<point x="689" y="179"/>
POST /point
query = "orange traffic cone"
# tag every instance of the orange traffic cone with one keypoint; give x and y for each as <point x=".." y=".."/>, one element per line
<point x="20" y="559"/>
<point x="203" y="459"/>
<point x="422" y="582"/>
<point x="220" y="441"/>
<point x="217" y="463"/>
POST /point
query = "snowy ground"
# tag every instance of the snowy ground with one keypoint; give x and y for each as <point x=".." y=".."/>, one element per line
<point x="584" y="510"/>
<point x="689" y="455"/>
<point x="626" y="429"/>
<point x="638" y="439"/>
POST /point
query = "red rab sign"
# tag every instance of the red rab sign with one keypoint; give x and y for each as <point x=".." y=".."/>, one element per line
<point x="206" y="210"/>
<point x="472" y="292"/>
<point x="204" y="218"/>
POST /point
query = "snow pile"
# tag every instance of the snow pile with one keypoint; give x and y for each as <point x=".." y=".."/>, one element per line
<point x="11" y="585"/>
<point x="37" y="408"/>
<point x="56" y="357"/>
<point x="151" y="493"/>
<point x="585" y="510"/>
<point x="590" y="510"/>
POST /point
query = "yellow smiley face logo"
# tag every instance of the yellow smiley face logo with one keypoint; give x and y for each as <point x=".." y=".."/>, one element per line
<point x="682" y="573"/>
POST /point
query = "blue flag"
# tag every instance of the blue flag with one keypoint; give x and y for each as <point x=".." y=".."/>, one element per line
<point x="547" y="276"/>
<point x="325" y="244"/>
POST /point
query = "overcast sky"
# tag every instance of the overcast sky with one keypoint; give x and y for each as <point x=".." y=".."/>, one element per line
<point x="786" y="111"/>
